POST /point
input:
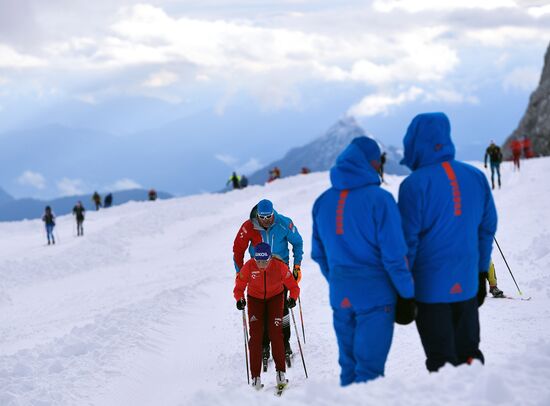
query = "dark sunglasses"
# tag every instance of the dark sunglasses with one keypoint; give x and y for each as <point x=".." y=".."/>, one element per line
<point x="266" y="217"/>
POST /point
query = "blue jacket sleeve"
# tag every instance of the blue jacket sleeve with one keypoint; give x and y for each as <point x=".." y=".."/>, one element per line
<point x="487" y="229"/>
<point x="410" y="207"/>
<point x="295" y="239"/>
<point x="317" y="249"/>
<point x="393" y="249"/>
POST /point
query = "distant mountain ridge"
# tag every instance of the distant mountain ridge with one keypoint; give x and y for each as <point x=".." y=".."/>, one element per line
<point x="535" y="123"/>
<point x="321" y="153"/>
<point x="20" y="209"/>
<point x="4" y="196"/>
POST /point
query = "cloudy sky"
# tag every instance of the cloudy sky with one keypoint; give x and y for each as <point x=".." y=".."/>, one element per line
<point x="123" y="67"/>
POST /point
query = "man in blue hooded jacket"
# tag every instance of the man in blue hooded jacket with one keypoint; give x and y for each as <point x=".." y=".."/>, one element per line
<point x="449" y="220"/>
<point x="359" y="245"/>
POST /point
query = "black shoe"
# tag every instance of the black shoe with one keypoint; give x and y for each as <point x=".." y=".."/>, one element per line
<point x="496" y="292"/>
<point x="288" y="350"/>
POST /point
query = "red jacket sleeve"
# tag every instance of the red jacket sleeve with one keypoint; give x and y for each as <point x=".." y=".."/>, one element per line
<point x="289" y="281"/>
<point x="241" y="282"/>
<point x="240" y="245"/>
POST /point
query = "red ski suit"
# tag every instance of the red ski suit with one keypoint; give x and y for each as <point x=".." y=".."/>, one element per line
<point x="265" y="300"/>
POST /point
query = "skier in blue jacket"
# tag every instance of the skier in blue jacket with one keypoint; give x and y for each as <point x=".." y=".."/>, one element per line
<point x="359" y="245"/>
<point x="449" y="220"/>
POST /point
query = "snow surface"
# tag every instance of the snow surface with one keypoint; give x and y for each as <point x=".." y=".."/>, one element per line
<point x="140" y="311"/>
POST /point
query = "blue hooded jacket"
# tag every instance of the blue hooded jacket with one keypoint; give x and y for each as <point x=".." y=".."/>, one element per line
<point x="357" y="236"/>
<point x="449" y="217"/>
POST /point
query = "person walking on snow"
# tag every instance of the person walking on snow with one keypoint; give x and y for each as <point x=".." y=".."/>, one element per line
<point x="108" y="201"/>
<point x="49" y="220"/>
<point x="382" y="163"/>
<point x="449" y="221"/>
<point x="265" y="280"/>
<point x="495" y="159"/>
<point x="235" y="180"/>
<point x="78" y="212"/>
<point x="359" y="246"/>
<point x="266" y="225"/>
<point x="516" y="146"/>
<point x="97" y="200"/>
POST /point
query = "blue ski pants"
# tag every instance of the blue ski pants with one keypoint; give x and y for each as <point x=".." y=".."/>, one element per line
<point x="364" y="340"/>
<point x="49" y="231"/>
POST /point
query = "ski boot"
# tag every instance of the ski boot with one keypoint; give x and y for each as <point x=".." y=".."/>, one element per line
<point x="257" y="383"/>
<point x="288" y="354"/>
<point x="265" y="358"/>
<point x="281" y="382"/>
<point x="496" y="292"/>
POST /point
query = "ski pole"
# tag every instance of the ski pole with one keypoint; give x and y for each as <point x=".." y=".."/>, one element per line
<point x="245" y="331"/>
<point x="302" y="319"/>
<point x="506" y="262"/>
<point x="299" y="344"/>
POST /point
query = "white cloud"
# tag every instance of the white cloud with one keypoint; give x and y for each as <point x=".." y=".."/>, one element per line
<point x="161" y="79"/>
<point x="124" y="184"/>
<point x="70" y="187"/>
<point x="34" y="179"/>
<point x="10" y="58"/>
<point x="202" y="78"/>
<point x="449" y="96"/>
<point x="415" y="6"/>
<point x="502" y="37"/>
<point x="250" y="166"/>
<point x="227" y="159"/>
<point x="539" y="11"/>
<point x="380" y="103"/>
<point x="525" y="78"/>
<point x="87" y="98"/>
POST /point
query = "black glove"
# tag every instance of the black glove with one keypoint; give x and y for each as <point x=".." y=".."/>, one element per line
<point x="241" y="304"/>
<point x="405" y="310"/>
<point x="291" y="303"/>
<point x="482" y="290"/>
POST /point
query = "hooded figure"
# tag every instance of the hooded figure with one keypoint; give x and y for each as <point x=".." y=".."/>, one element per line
<point x="449" y="220"/>
<point x="359" y="245"/>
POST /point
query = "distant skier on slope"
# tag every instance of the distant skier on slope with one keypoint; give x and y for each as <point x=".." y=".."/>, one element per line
<point x="495" y="159"/>
<point x="266" y="280"/>
<point x="382" y="163"/>
<point x="359" y="246"/>
<point x="152" y="195"/>
<point x="108" y="201"/>
<point x="78" y="212"/>
<point x="235" y="181"/>
<point x="49" y="220"/>
<point x="96" y="198"/>
<point x="449" y="221"/>
<point x="516" y="146"/>
<point x="265" y="224"/>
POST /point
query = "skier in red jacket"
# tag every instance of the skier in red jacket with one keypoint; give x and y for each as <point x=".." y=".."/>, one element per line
<point x="516" y="146"/>
<point x="265" y="279"/>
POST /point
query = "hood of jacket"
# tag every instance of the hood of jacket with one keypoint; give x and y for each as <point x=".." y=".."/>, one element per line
<point x="357" y="165"/>
<point x="428" y="141"/>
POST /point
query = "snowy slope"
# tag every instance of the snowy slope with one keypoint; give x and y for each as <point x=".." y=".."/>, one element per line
<point x="140" y="310"/>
